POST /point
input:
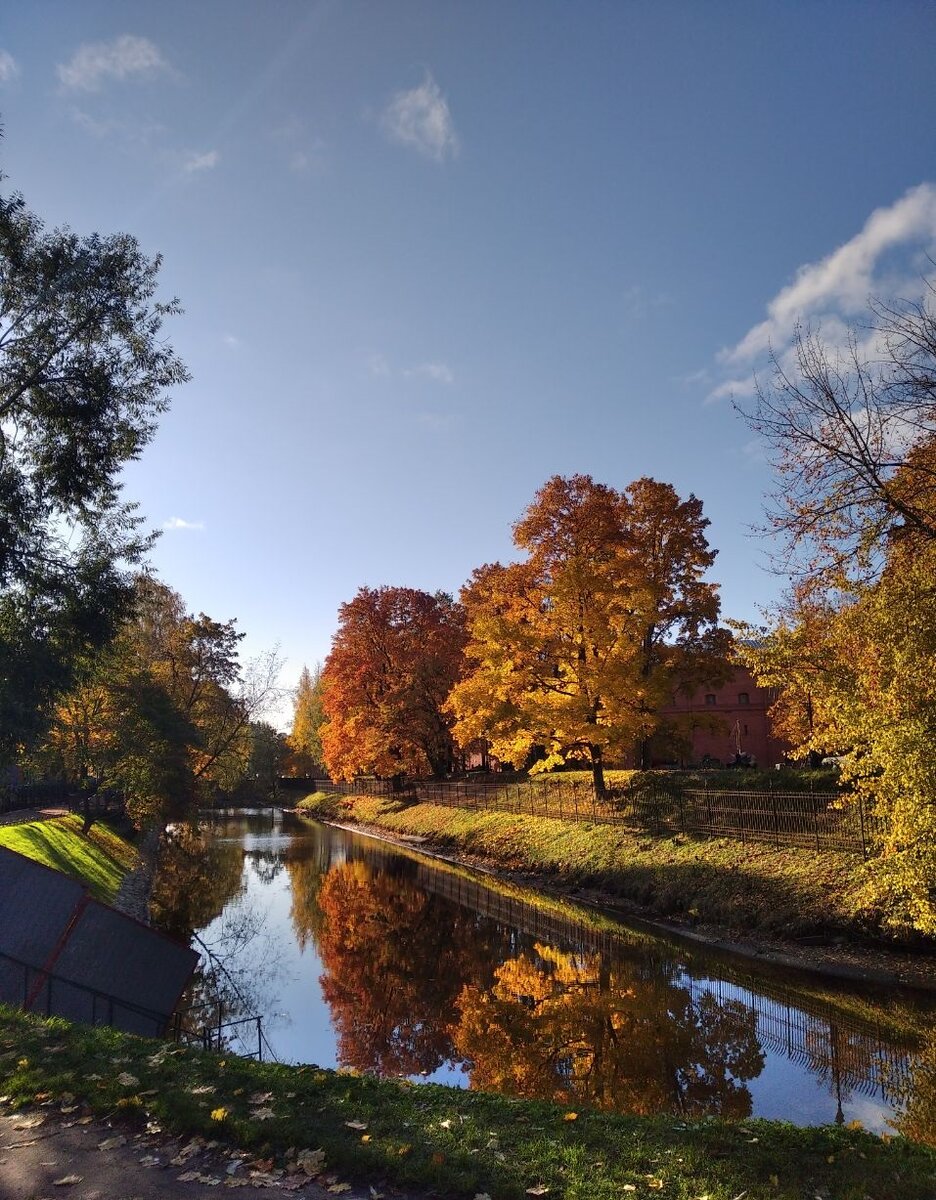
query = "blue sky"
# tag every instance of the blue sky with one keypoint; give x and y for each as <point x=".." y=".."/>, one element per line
<point x="432" y="253"/>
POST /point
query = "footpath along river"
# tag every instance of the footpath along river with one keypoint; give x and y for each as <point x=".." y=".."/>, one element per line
<point x="362" y="956"/>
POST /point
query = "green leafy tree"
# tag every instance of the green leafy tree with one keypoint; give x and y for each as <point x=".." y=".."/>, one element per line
<point x="85" y="371"/>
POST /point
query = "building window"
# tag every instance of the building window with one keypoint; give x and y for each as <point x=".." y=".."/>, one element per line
<point x="744" y="698"/>
<point x="710" y="698"/>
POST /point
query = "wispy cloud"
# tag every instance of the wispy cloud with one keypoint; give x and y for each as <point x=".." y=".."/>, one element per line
<point x="438" y="372"/>
<point x="420" y="119"/>
<point x="8" y="67"/>
<point x="231" y="341"/>
<point x="637" y="301"/>
<point x="886" y="258"/>
<point x="206" y="161"/>
<point x="378" y="365"/>
<point x="180" y="523"/>
<point x="126" y="57"/>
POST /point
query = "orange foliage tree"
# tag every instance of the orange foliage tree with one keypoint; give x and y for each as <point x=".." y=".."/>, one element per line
<point x="577" y="647"/>
<point x="393" y="661"/>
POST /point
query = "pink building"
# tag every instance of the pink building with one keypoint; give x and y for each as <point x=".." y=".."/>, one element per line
<point x="721" y="722"/>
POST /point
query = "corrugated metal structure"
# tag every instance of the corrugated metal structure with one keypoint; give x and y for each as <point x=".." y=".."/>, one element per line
<point x="63" y="953"/>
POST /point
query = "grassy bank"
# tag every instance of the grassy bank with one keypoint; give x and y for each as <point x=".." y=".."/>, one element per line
<point x="99" y="859"/>
<point x="427" y="1136"/>
<point x="786" y="893"/>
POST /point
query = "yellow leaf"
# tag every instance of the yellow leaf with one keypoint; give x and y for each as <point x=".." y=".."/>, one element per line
<point x="218" y="1114"/>
<point x="570" y="1116"/>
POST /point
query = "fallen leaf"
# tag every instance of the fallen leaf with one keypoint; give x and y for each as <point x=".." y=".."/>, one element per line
<point x="262" y="1114"/>
<point x="66" y="1181"/>
<point x="218" y="1114"/>
<point x="446" y="1124"/>
<point x="125" y="1079"/>
<point x="365" y="1137"/>
<point x="539" y="1190"/>
<point x="203" y="1089"/>
<point x="337" y="1188"/>
<point x="112" y="1143"/>
<point x="570" y="1116"/>
<point x="312" y="1162"/>
<point x="187" y="1177"/>
<point x="356" y="1124"/>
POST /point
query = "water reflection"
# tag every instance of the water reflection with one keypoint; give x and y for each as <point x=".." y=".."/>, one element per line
<point x="426" y="971"/>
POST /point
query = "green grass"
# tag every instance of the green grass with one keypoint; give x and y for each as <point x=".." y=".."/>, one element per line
<point x="753" y="887"/>
<point x="457" y="1142"/>
<point x="99" y="859"/>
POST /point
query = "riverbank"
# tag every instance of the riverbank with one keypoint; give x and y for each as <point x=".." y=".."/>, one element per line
<point x="787" y="906"/>
<point x="290" y="1125"/>
<point x="100" y="859"/>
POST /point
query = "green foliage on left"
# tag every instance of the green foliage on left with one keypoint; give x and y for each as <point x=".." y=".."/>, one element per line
<point x="85" y="370"/>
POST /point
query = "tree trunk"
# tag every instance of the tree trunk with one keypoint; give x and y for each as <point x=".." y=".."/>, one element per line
<point x="598" y="778"/>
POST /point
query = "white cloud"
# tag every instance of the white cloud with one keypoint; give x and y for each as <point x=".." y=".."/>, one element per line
<point x="438" y="372"/>
<point x="230" y="340"/>
<point x="885" y="259"/>
<point x="8" y="67"/>
<point x="201" y="162"/>
<point x="843" y="281"/>
<point x="420" y="119"/>
<point x="378" y="365"/>
<point x="181" y="523"/>
<point x="126" y="57"/>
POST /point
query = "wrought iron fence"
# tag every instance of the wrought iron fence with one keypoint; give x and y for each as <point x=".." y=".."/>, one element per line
<point x="15" y="797"/>
<point x="37" y="990"/>
<point x="808" y="819"/>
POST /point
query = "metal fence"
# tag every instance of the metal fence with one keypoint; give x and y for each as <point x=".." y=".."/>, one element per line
<point x="811" y="820"/>
<point x="15" y="797"/>
<point x="37" y="990"/>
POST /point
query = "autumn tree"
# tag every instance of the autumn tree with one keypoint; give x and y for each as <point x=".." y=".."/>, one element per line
<point x="305" y="741"/>
<point x="577" y="647"/>
<point x="850" y="433"/>
<point x="85" y="371"/>
<point x="164" y="713"/>
<point x="394" y="658"/>
<point x="853" y="439"/>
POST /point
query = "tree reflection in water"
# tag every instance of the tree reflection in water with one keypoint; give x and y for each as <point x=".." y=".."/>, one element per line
<point x="409" y="991"/>
<point x="198" y="878"/>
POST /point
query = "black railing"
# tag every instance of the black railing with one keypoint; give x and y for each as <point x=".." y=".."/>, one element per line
<point x="811" y="820"/>
<point x="191" y="1025"/>
<point x="15" y="797"/>
<point x="24" y="985"/>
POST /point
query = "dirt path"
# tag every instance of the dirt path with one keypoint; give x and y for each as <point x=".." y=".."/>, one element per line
<point x="45" y="1155"/>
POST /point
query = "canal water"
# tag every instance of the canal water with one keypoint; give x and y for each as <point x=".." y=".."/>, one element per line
<point x="363" y="957"/>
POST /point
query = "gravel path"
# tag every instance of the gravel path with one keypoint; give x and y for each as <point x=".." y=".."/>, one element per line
<point x="47" y="1156"/>
<point x="133" y="895"/>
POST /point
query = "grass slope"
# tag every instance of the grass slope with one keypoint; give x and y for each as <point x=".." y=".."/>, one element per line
<point x="456" y="1142"/>
<point x="756" y="887"/>
<point x="99" y="859"/>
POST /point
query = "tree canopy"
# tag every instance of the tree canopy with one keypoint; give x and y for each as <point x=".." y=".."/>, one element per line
<point x="851" y="650"/>
<point x="85" y="370"/>
<point x="394" y="658"/>
<point x="578" y="646"/>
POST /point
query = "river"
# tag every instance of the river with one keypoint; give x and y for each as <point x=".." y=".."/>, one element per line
<point x="363" y="957"/>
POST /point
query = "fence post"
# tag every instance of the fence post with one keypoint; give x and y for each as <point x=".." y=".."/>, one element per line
<point x="864" y="844"/>
<point x="815" y="809"/>
<point x="776" y="818"/>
